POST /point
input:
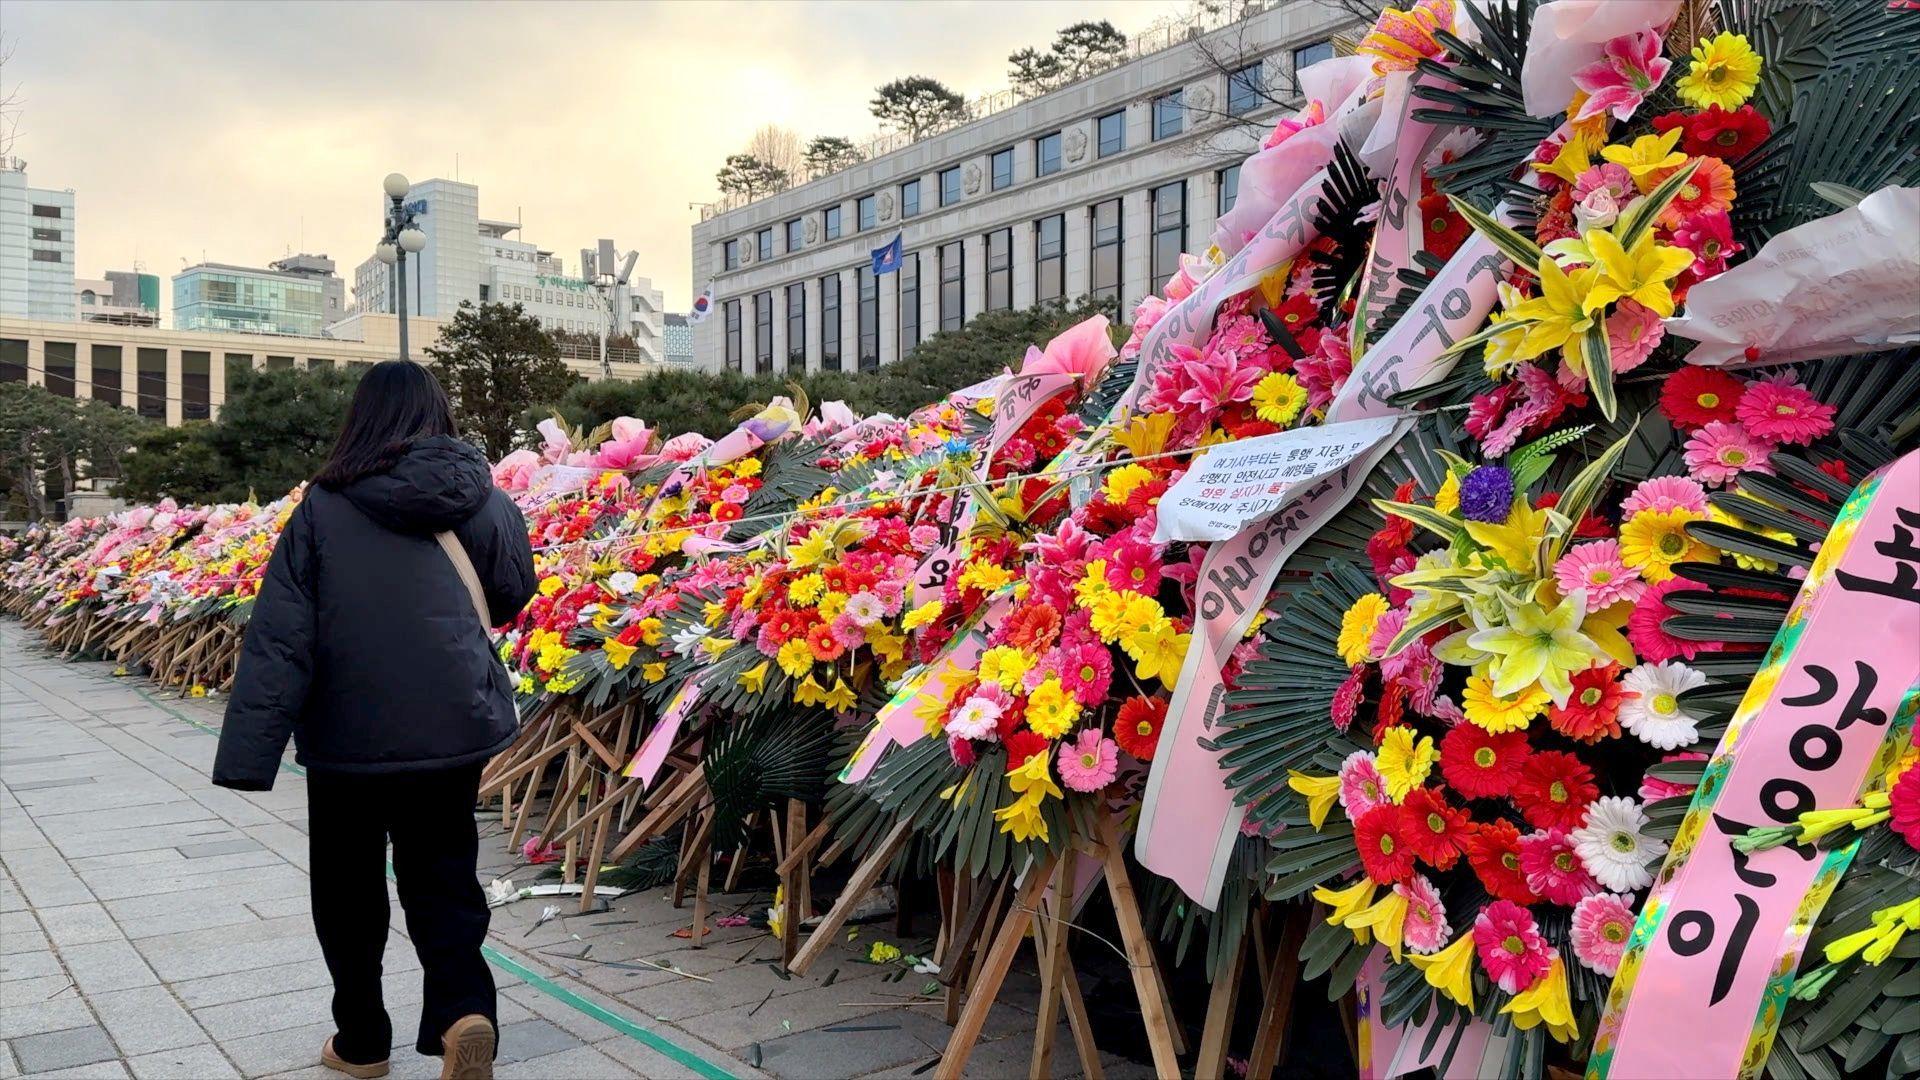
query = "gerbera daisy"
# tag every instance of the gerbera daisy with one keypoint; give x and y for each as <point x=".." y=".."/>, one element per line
<point x="1649" y="639"/>
<point x="1903" y="804"/>
<point x="1710" y="238"/>
<point x="1346" y="700"/>
<point x="1554" y="790"/>
<point x="1382" y="839"/>
<point x="1024" y="744"/>
<point x="1553" y="868"/>
<point x="1633" y="332"/>
<point x="1602" y="923"/>
<point x="1089" y="762"/>
<point x="1596" y="568"/>
<point x="1724" y="72"/>
<point x="1496" y="714"/>
<point x="1652" y="541"/>
<point x="1436" y="830"/>
<point x="1653" y="789"/>
<point x="1405" y="757"/>
<point x="1086" y="670"/>
<point x="1665" y="493"/>
<point x="1784" y="412"/>
<point x="1719" y="452"/>
<point x="1480" y="764"/>
<point x="1278" y="398"/>
<point x="1137" y="726"/>
<point x="1613" y="846"/>
<point x="1592" y="712"/>
<point x="1442" y="229"/>
<point x="1710" y="190"/>
<point x="1696" y="396"/>
<point x="1652" y="709"/>
<point x="1357" y="625"/>
<point x="1716" y="132"/>
<point x="1134" y="568"/>
<point x="1425" y="929"/>
<point x="1509" y="946"/>
<point x="976" y="718"/>
<point x="1361" y="787"/>
<point x="1493" y="850"/>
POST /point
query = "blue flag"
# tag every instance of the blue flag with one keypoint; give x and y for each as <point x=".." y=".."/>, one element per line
<point x="887" y="259"/>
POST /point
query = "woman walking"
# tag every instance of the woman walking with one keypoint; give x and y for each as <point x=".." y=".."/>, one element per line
<point x="366" y="646"/>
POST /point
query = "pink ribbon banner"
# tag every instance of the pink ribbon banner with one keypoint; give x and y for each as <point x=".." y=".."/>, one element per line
<point x="1387" y="1052"/>
<point x="653" y="749"/>
<point x="897" y="724"/>
<point x="1712" y="959"/>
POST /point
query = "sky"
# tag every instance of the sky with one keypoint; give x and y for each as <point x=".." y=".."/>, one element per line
<point x="240" y="132"/>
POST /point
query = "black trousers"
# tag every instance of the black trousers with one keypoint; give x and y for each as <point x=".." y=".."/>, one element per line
<point x="429" y="817"/>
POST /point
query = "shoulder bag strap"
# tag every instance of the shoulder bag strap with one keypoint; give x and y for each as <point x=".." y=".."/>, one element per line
<point x="463" y="565"/>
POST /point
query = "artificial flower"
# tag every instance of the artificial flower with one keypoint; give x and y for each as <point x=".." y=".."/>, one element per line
<point x="1362" y="788"/>
<point x="1652" y="541"/>
<point x="1719" y="452"/>
<point x="1784" y="413"/>
<point x="1541" y="645"/>
<point x="1554" y="790"/>
<point x="1639" y="273"/>
<point x="1496" y="713"/>
<point x="1633" y="332"/>
<point x="1321" y="792"/>
<point x="1903" y="805"/>
<point x="1596" y="569"/>
<point x="1546" y="1002"/>
<point x="1724" y="72"/>
<point x="1090" y="763"/>
<point x="1629" y="68"/>
<point x="1593" y="712"/>
<point x="1652" y="709"/>
<point x="1602" y="924"/>
<point x="1553" y="868"/>
<point x="1709" y="190"/>
<point x="1437" y="831"/>
<point x="1425" y="927"/>
<point x="1450" y="970"/>
<point x="1385" y="849"/>
<point x="1480" y="764"/>
<point x="1696" y="396"/>
<point x="1486" y="495"/>
<point x="1510" y="947"/>
<point x="1558" y="318"/>
<point x="1399" y="40"/>
<point x="1136" y="727"/>
<point x="978" y="717"/>
<point x="1649" y="638"/>
<point x="1647" y="158"/>
<point x="1716" y="132"/>
<point x="1614" y="847"/>
<point x="1386" y="920"/>
<point x="1493" y="851"/>
<point x="1051" y="711"/>
<point x="1357" y="626"/>
<point x="1665" y="493"/>
<point x="1404" y="761"/>
<point x="1278" y="398"/>
<point x="1709" y="235"/>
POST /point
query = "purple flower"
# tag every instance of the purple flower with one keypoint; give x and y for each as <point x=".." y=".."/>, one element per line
<point x="1487" y="494"/>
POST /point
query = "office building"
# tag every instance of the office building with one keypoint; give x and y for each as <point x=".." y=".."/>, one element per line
<point x="1092" y="189"/>
<point x="298" y="296"/>
<point x="471" y="258"/>
<point x="36" y="247"/>
<point x="676" y="336"/>
<point x="123" y="297"/>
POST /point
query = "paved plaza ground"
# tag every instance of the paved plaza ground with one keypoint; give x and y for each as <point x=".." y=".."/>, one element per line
<point x="152" y="925"/>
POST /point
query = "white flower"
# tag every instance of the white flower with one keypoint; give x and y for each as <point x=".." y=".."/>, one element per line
<point x="688" y="639"/>
<point x="1651" y="708"/>
<point x="976" y="718"/>
<point x="1612" y="847"/>
<point x="865" y="609"/>
<point x="622" y="583"/>
<point x="923" y="966"/>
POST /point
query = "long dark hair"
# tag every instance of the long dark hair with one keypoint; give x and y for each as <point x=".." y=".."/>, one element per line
<point x="398" y="402"/>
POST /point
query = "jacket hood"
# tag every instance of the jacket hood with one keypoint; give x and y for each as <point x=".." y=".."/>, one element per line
<point x="437" y="484"/>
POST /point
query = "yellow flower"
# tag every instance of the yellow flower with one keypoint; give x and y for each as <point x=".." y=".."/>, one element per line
<point x="1546" y="1002"/>
<point x="817" y="548"/>
<point x="1051" y="711"/>
<point x="985" y="576"/>
<point x="1500" y="714"/>
<point x="1022" y="818"/>
<point x="654" y="671"/>
<point x="618" y="653"/>
<point x="1278" y="398"/>
<point x="921" y="615"/>
<point x="1387" y="919"/>
<point x="1649" y="156"/>
<point x="1724" y="72"/>
<point x="840" y="698"/>
<point x="652" y="631"/>
<point x="806" y="591"/>
<point x="197" y="691"/>
<point x="1142" y="613"/>
<point x="1450" y="970"/>
<point x="1092" y="584"/>
<point x="525" y="685"/>
<point x="712" y="612"/>
<point x="1654" y="540"/>
<point x="1538" y="644"/>
<point x="1122" y="481"/>
<point x="1005" y="665"/>
<point x="795" y="657"/>
<point x="1447" y="499"/>
<point x="1147" y="434"/>
<point x="1357" y="626"/>
<point x="747" y="467"/>
<point x="831" y="605"/>
<point x="885" y="644"/>
<point x="550" y="585"/>
<point x="882" y="953"/>
<point x="1515" y="542"/>
<point x="755" y="677"/>
<point x="1404" y="762"/>
<point x="1344" y="904"/>
<point x="1574" y="158"/>
<point x="1319" y="791"/>
<point x="1640" y="273"/>
<point x="1557" y="318"/>
<point x="810" y="692"/>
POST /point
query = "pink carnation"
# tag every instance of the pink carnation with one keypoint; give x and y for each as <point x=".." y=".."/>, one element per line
<point x="1784" y="412"/>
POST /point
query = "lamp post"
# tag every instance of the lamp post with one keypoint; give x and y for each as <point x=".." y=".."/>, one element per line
<point x="604" y="285"/>
<point x="400" y="240"/>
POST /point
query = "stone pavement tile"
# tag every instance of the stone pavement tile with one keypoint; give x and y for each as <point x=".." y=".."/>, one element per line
<point x="20" y="932"/>
<point x="29" y="965"/>
<point x="534" y="1038"/>
<point x="63" y="1049"/>
<point x="56" y="1014"/>
<point x="144" y="838"/>
<point x="79" y="924"/>
<point x="780" y="1015"/>
<point x="100" y="1070"/>
<point x="15" y="993"/>
<point x="146" y="1019"/>
<point x="219" y="847"/>
<point x="869" y="1043"/>
<point x="202" y="1062"/>
<point x="268" y="877"/>
<point x="58" y="782"/>
<point x="80" y="822"/>
<point x="8" y="1070"/>
<point x="46" y="880"/>
<point x="584" y="1062"/>
<point x="103" y="966"/>
<point x="280" y="906"/>
<point x="235" y="986"/>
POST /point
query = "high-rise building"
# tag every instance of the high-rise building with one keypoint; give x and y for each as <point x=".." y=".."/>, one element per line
<point x="36" y="247"/>
<point x="471" y="258"/>
<point x="677" y="335"/>
<point x="298" y="296"/>
<point x="123" y="297"/>
<point x="1092" y="189"/>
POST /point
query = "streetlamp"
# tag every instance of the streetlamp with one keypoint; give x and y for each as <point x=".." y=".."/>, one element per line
<point x="400" y="240"/>
<point x="604" y="285"/>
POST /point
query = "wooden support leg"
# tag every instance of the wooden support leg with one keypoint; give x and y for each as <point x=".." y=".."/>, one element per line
<point x="1155" y="1015"/>
<point x="705" y="855"/>
<point x="864" y="877"/>
<point x="1082" y="1027"/>
<point x="1212" y="1061"/>
<point x="1050" y="939"/>
<point x="973" y="1018"/>
<point x="1276" y="1012"/>
<point x="792" y="870"/>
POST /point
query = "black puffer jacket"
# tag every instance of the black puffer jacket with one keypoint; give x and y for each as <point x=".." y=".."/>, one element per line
<point x="363" y="644"/>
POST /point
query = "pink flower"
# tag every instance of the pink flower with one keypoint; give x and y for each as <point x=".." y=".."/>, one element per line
<point x="1346" y="700"/>
<point x="555" y="443"/>
<point x="1652" y="643"/>
<point x="1133" y="567"/>
<point x="1721" y="451"/>
<point x="1633" y="332"/>
<point x="1426" y="928"/>
<point x="1784" y="412"/>
<point x="1596" y="567"/>
<point x="976" y="718"/>
<point x="1215" y="379"/>
<point x="1652" y="788"/>
<point x="1361" y="786"/>
<point x="1082" y="350"/>
<point x="1384" y="631"/>
<point x="1629" y="68"/>
<point x="1709" y="235"/>
<point x="1602" y="923"/>
<point x="1510" y="946"/>
<point x="536" y="851"/>
<point x="961" y="751"/>
<point x="684" y="447"/>
<point x="1315" y="112"/>
<point x="1613" y="179"/>
<point x="1554" y="870"/>
<point x="1090" y="763"/>
<point x="923" y="537"/>
<point x="735" y="494"/>
<point x="1665" y="493"/>
<point x="515" y="471"/>
<point x="1325" y="371"/>
<point x="1086" y="670"/>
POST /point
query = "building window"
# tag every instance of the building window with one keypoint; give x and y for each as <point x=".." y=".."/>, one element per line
<point x="950" y="186"/>
<point x="45" y="256"/>
<point x="1229" y="178"/>
<point x="1046" y="155"/>
<point x="1113" y="133"/>
<point x="150" y="383"/>
<point x="1106" y="250"/>
<point x="830" y="323"/>
<point x="867" y="212"/>
<point x="1169" y="230"/>
<point x="732" y="336"/>
<point x="1002" y="170"/>
<point x="1244" y="90"/>
<point x="797" y="326"/>
<point x="59" y="362"/>
<point x="729" y="260"/>
<point x="868" y="318"/>
<point x="43" y="210"/>
<point x="910" y="199"/>
<point x="763" y="332"/>
<point x="953" y="267"/>
<point x="1050" y="257"/>
<point x="1000" y="270"/>
<point x="830" y="223"/>
<point x="1169" y="115"/>
<point x="196" y="385"/>
<point x="1308" y="55"/>
<point x="909" y="302"/>
<point x="53" y="235"/>
<point x="106" y="373"/>
<point x="762" y="245"/>
<point x="796" y="229"/>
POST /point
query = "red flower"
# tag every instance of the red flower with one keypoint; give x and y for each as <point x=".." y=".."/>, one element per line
<point x="727" y="511"/>
<point x="1443" y="229"/>
<point x="1493" y="850"/>
<point x="1554" y="790"/>
<point x="1386" y="844"/>
<point x="1717" y="132"/>
<point x="1436" y="830"/>
<point x="1022" y="745"/>
<point x="1032" y="628"/>
<point x="1481" y="765"/>
<point x="1593" y="712"/>
<point x="1296" y="313"/>
<point x="1137" y="727"/>
<point x="1694" y="397"/>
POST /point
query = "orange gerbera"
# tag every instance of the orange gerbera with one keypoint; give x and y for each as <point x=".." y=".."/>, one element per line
<point x="1709" y="189"/>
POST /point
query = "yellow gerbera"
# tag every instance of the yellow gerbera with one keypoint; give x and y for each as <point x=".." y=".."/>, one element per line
<point x="1051" y="710"/>
<point x="1122" y="481"/>
<point x="1653" y="540"/>
<point x="1278" y="398"/>
<point x="1005" y="666"/>
<point x="1724" y="72"/>
<point x="1404" y="761"/>
<point x="795" y="657"/>
<point x="1496" y="714"/>
<point x="1357" y="626"/>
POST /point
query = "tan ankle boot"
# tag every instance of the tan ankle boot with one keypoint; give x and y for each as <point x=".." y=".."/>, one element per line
<point x="338" y="1064"/>
<point x="468" y="1049"/>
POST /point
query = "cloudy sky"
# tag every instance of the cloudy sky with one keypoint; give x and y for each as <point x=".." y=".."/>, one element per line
<point x="240" y="132"/>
